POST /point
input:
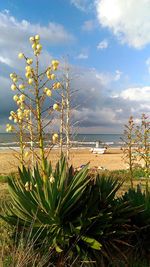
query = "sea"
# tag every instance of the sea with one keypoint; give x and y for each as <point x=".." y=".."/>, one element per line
<point x="9" y="140"/>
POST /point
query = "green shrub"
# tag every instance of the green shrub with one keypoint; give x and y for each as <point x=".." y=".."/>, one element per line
<point x="141" y="222"/>
<point x="75" y="218"/>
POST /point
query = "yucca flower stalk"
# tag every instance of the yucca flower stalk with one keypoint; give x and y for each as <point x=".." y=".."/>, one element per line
<point x="129" y="147"/>
<point x="36" y="104"/>
<point x="143" y="149"/>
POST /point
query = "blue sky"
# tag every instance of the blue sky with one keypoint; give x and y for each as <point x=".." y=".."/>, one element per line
<point x="108" y="44"/>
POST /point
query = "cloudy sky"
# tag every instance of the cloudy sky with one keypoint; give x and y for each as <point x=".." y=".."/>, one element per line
<point x="108" y="46"/>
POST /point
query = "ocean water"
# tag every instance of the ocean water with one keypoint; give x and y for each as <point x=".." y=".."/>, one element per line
<point x="84" y="140"/>
<point x="99" y="137"/>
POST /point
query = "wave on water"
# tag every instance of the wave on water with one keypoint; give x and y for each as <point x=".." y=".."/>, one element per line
<point x="9" y="141"/>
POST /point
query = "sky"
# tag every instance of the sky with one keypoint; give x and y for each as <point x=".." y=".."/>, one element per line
<point x="107" y="43"/>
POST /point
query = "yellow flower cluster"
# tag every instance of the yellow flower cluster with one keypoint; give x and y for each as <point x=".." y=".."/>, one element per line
<point x="50" y="76"/>
<point x="36" y="46"/>
<point x="9" y="128"/>
<point x="19" y="99"/>
<point x="14" y="77"/>
<point x="55" y="64"/>
<point x="47" y="91"/>
<point x="19" y="115"/>
<point x="57" y="85"/>
<point x="55" y="138"/>
<point x="29" y="74"/>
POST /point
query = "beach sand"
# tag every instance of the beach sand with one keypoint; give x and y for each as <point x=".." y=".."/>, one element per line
<point x="111" y="160"/>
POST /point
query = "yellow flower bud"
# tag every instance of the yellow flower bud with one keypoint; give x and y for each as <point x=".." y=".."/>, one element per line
<point x="48" y="72"/>
<point x="49" y="77"/>
<point x="31" y="39"/>
<point x="22" y="105"/>
<point x="18" y="102"/>
<point x="21" y="86"/>
<point x="12" y="113"/>
<point x="55" y="63"/>
<point x="55" y="68"/>
<point x="37" y="37"/>
<point x="22" y="98"/>
<point x="11" y="75"/>
<point x="30" y="81"/>
<point x="39" y="47"/>
<point x="20" y="55"/>
<point x="49" y="92"/>
<point x="28" y="68"/>
<point x="58" y="85"/>
<point x="34" y="46"/>
<point x="36" y="53"/>
<point x="10" y="118"/>
<point x="55" y="138"/>
<point x="15" y="120"/>
<point x="45" y="89"/>
<point x="56" y="107"/>
<point x="15" y="79"/>
<point x="15" y="98"/>
<point x="55" y="86"/>
<point x="20" y="115"/>
<point x="29" y="61"/>
<point x="13" y="87"/>
<point x="28" y="74"/>
<point x="53" y="76"/>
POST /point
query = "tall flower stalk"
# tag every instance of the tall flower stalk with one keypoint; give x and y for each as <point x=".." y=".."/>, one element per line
<point x="37" y="101"/>
<point x="143" y="139"/>
<point x="129" y="148"/>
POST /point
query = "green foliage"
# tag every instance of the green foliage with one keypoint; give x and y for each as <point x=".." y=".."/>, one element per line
<point x="51" y="207"/>
<point x="141" y="222"/>
<point x="72" y="216"/>
<point x="3" y="179"/>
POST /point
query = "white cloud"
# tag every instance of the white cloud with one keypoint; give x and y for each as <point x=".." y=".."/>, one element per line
<point x="108" y="78"/>
<point x="139" y="94"/>
<point x="82" y="56"/>
<point x="15" y="34"/>
<point x="117" y="76"/>
<point x="6" y="60"/>
<point x="102" y="45"/>
<point x="14" y="30"/>
<point x="83" y="5"/>
<point x="127" y="19"/>
<point x="88" y="25"/>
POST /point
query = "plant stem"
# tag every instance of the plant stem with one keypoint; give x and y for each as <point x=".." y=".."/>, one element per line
<point x="61" y="124"/>
<point x="39" y="122"/>
<point x="67" y="116"/>
<point x="21" y="146"/>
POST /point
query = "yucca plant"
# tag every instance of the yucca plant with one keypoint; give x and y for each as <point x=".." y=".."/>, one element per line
<point x="75" y="218"/>
<point x="51" y="207"/>
<point x="111" y="220"/>
<point x="141" y="222"/>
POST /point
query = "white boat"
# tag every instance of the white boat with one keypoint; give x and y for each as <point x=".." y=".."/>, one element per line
<point x="98" y="150"/>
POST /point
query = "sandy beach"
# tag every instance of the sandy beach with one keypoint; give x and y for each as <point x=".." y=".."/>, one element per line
<point x="111" y="160"/>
